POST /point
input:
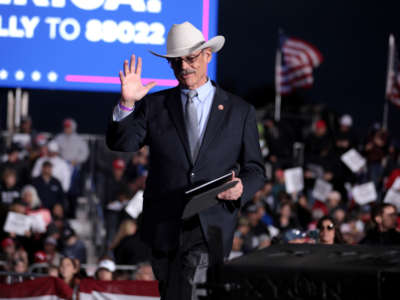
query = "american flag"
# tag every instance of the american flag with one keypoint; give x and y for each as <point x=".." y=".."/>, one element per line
<point x="393" y="76"/>
<point x="295" y="66"/>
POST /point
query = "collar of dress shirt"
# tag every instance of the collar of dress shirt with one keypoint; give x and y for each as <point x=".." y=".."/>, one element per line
<point x="202" y="92"/>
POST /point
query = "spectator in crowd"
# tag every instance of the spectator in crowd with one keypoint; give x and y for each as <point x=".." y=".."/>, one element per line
<point x="303" y="211"/>
<point x="105" y="270"/>
<point x="20" y="266"/>
<point x="8" y="187"/>
<point x="115" y="183"/>
<point x="13" y="160"/>
<point x="285" y="218"/>
<point x="31" y="241"/>
<point x="339" y="215"/>
<point x="30" y="196"/>
<point x="75" y="151"/>
<point x="137" y="165"/>
<point x="60" y="169"/>
<point x="81" y="271"/>
<point x="352" y="230"/>
<point x="26" y="129"/>
<point x="279" y="139"/>
<point x="266" y="197"/>
<point x="318" y="143"/>
<point x="73" y="246"/>
<point x="392" y="163"/>
<point x="329" y="233"/>
<point x="384" y="232"/>
<point x="333" y="201"/>
<point x="345" y="138"/>
<point x="375" y="151"/>
<point x="104" y="159"/>
<point x="57" y="228"/>
<point x="68" y="271"/>
<point x="48" y="187"/>
<point x="144" y="272"/>
<point x="53" y="257"/>
<point x="12" y="252"/>
<point x="72" y="147"/>
<point x="279" y="186"/>
<point x="52" y="271"/>
<point x="257" y="228"/>
<point x="8" y="249"/>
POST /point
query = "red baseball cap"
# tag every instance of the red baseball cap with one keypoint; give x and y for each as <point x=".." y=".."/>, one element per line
<point x="118" y="164"/>
<point x="7" y="242"/>
<point x="40" y="257"/>
<point x="67" y="123"/>
<point x="320" y="124"/>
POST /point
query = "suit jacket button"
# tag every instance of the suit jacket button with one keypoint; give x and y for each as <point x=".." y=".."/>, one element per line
<point x="192" y="174"/>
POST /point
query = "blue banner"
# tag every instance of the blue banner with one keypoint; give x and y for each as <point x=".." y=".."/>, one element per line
<point x="81" y="44"/>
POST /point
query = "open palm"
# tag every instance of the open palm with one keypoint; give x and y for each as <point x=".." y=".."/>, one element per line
<point x="132" y="89"/>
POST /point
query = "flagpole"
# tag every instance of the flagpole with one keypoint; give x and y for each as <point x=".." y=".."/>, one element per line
<point x="389" y="78"/>
<point x="278" y="86"/>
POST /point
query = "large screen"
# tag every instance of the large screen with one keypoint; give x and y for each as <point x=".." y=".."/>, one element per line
<point x="81" y="44"/>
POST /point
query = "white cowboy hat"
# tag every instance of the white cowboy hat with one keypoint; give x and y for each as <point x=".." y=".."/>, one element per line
<point x="184" y="39"/>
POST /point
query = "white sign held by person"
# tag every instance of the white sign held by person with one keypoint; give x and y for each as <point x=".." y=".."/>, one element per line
<point x="135" y="205"/>
<point x="294" y="180"/>
<point x="393" y="197"/>
<point x="38" y="223"/>
<point x="17" y="223"/>
<point x="321" y="190"/>
<point x="353" y="160"/>
<point x="364" y="193"/>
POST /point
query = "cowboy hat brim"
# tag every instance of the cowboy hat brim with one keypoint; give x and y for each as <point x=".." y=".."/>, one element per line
<point x="216" y="43"/>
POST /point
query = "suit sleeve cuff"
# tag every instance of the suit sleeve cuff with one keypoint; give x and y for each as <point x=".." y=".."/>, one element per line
<point x="120" y="114"/>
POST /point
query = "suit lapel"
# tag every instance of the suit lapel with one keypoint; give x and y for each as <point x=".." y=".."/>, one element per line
<point x="174" y="106"/>
<point x="216" y="118"/>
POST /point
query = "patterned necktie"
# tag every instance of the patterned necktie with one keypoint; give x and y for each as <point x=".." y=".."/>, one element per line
<point x="192" y="125"/>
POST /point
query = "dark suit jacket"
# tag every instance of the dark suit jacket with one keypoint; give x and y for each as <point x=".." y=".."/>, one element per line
<point x="231" y="137"/>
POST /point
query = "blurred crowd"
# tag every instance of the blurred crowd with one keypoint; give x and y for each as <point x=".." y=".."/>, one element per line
<point x="41" y="178"/>
<point x="44" y="175"/>
<point x="317" y="146"/>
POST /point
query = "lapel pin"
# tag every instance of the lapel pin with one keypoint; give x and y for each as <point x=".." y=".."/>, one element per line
<point x="220" y="107"/>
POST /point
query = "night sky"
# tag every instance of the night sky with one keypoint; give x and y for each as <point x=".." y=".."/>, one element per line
<point x="352" y="36"/>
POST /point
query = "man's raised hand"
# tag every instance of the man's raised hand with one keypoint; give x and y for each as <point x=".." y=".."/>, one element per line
<point x="132" y="89"/>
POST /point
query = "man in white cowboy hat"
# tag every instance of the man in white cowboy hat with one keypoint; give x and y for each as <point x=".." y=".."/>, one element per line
<point x="195" y="132"/>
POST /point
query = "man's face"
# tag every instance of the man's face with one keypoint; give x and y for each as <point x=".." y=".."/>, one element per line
<point x="47" y="170"/>
<point x="389" y="218"/>
<point x="104" y="275"/>
<point x="10" y="180"/>
<point x="191" y="70"/>
<point x="68" y="130"/>
<point x="320" y="131"/>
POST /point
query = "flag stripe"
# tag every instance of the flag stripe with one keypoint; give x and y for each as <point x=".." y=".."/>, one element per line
<point x="39" y="287"/>
<point x="111" y="296"/>
<point x="298" y="82"/>
<point x="125" y="287"/>
<point x="49" y="297"/>
<point x="297" y="63"/>
<point x="295" y="74"/>
<point x="313" y="52"/>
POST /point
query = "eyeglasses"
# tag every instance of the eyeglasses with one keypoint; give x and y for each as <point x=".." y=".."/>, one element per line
<point x="177" y="61"/>
<point x="329" y="227"/>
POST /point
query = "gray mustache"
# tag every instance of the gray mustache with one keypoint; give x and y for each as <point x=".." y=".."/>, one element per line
<point x="186" y="72"/>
